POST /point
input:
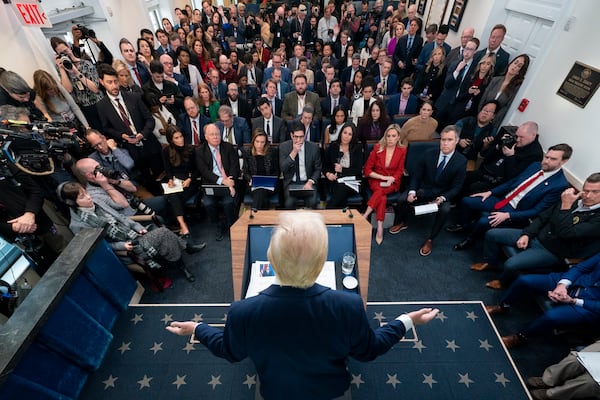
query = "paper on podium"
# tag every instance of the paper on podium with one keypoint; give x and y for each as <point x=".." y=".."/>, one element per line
<point x="426" y="209"/>
<point x="262" y="276"/>
<point x="591" y="361"/>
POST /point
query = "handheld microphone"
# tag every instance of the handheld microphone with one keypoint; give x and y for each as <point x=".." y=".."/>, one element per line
<point x="350" y="215"/>
<point x="252" y="211"/>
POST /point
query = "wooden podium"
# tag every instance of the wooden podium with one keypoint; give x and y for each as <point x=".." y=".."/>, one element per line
<point x="362" y="236"/>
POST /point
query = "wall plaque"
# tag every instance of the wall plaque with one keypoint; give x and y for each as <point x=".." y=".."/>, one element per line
<point x="580" y="84"/>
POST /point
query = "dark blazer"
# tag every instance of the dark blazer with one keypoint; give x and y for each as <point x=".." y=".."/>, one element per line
<point x="502" y="57"/>
<point x="449" y="182"/>
<point x="279" y="128"/>
<point x="453" y="86"/>
<point x="220" y="91"/>
<point x="169" y="89"/>
<point x="321" y="89"/>
<point x="185" y="124"/>
<point x="426" y="53"/>
<point x="283" y="86"/>
<point x="229" y="159"/>
<point x="271" y="163"/>
<point x="183" y="84"/>
<point x="241" y="132"/>
<point x="346" y="72"/>
<point x="277" y="111"/>
<point x="259" y="75"/>
<point x="401" y="54"/>
<point x="286" y="75"/>
<point x="244" y="110"/>
<point x="332" y="156"/>
<point x="453" y="55"/>
<point x="468" y="129"/>
<point x="391" y="86"/>
<point x="143" y="71"/>
<point x="304" y="31"/>
<point x="537" y="199"/>
<point x="327" y="101"/>
<point x="393" y="105"/>
<point x="587" y="276"/>
<point x="312" y="160"/>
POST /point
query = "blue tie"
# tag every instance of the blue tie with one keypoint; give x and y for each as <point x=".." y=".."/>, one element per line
<point x="440" y="167"/>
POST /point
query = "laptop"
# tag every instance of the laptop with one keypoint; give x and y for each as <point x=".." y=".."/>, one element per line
<point x="216" y="190"/>
<point x="264" y="182"/>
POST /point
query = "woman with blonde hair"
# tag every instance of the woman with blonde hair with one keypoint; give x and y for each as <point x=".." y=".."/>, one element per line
<point x="126" y="82"/>
<point x="480" y="80"/>
<point x="209" y="106"/>
<point x="429" y="82"/>
<point x="398" y="30"/>
<point x="384" y="169"/>
<point x="55" y="102"/>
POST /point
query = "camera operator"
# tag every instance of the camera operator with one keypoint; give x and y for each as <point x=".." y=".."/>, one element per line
<point x="504" y="157"/>
<point x="280" y="28"/>
<point x="111" y="157"/>
<point x="14" y="91"/>
<point x="326" y="24"/>
<point x="350" y="23"/>
<point x="80" y="78"/>
<point x="83" y="34"/>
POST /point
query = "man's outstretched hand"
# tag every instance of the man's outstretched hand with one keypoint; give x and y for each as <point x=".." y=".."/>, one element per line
<point x="423" y="316"/>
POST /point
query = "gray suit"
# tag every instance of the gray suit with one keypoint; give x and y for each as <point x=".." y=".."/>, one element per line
<point x="287" y="166"/>
<point x="290" y="105"/>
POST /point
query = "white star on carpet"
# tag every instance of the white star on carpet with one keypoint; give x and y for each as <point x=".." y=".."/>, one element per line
<point x="419" y="346"/>
<point x="124" y="347"/>
<point x="485" y="345"/>
<point x="189" y="347"/>
<point x="465" y="379"/>
<point x="393" y="380"/>
<point x="179" y="381"/>
<point x="110" y="382"/>
<point x="379" y="317"/>
<point x="145" y="381"/>
<point x="501" y="379"/>
<point x="167" y="318"/>
<point x="197" y="318"/>
<point x="357" y="380"/>
<point x="429" y="380"/>
<point x="137" y="318"/>
<point x="451" y="344"/>
<point x="441" y="316"/>
<point x="471" y="315"/>
<point x="156" y="348"/>
<point x="214" y="381"/>
<point x="250" y="381"/>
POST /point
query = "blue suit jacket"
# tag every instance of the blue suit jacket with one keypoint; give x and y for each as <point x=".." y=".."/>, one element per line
<point x="587" y="275"/>
<point x="449" y="182"/>
<point x="185" y="124"/>
<point x="453" y="86"/>
<point x="502" y="57"/>
<point x="262" y="328"/>
<point x="286" y="75"/>
<point x="392" y="84"/>
<point x="241" y="131"/>
<point x="537" y="199"/>
<point x="184" y="85"/>
<point x="393" y="104"/>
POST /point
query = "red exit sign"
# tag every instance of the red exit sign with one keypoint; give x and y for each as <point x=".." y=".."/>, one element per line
<point x="30" y="13"/>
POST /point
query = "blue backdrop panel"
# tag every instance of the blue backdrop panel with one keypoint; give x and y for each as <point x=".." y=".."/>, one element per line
<point x="87" y="296"/>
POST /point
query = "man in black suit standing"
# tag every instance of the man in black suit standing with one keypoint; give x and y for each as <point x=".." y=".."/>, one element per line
<point x="240" y="108"/>
<point x="139" y="72"/>
<point x="128" y="121"/>
<point x="407" y="51"/>
<point x="166" y="92"/>
<point x="436" y="180"/>
<point x="334" y="99"/>
<point x="218" y="164"/>
<point x="272" y="125"/>
<point x="494" y="46"/>
<point x="300" y="163"/>
<point x="300" y="27"/>
<point x="192" y="123"/>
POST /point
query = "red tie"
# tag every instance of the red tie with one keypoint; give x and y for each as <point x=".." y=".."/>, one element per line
<point x="517" y="191"/>
<point x="196" y="138"/>
<point x="124" y="116"/>
<point x="138" y="76"/>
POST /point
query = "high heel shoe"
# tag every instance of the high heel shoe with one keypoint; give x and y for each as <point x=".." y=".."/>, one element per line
<point x="379" y="239"/>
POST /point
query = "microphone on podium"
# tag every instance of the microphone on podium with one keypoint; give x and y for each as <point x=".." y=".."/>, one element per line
<point x="252" y="211"/>
<point x="350" y="215"/>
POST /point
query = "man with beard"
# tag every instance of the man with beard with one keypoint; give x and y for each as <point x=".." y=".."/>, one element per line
<point x="294" y="102"/>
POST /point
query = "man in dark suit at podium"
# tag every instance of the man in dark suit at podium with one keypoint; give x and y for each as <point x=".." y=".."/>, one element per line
<point x="218" y="164"/>
<point x="298" y="333"/>
<point x="436" y="180"/>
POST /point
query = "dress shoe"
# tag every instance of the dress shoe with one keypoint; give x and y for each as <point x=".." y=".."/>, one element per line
<point x="495" y="309"/>
<point x="537" y="382"/>
<point x="480" y="266"/>
<point x="188" y="274"/>
<point x="511" y="341"/>
<point x="465" y="244"/>
<point x="426" y="248"/>
<point x="454" y="228"/>
<point x="398" y="228"/>
<point x="192" y="248"/>
<point x="378" y="240"/>
<point x="185" y="236"/>
<point x="219" y="236"/>
<point x="495" y="284"/>
<point x="540" y="394"/>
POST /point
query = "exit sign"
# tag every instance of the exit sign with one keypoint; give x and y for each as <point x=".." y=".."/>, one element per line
<point x="30" y="13"/>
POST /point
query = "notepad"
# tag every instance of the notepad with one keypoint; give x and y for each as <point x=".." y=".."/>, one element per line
<point x="426" y="209"/>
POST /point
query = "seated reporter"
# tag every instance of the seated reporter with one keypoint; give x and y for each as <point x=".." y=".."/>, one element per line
<point x="260" y="159"/>
<point x="151" y="246"/>
<point x="384" y="169"/>
<point x="343" y="158"/>
<point x="180" y="163"/>
<point x="298" y="333"/>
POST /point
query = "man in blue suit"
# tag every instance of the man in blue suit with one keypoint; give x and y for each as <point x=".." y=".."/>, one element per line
<point x="387" y="83"/>
<point x="393" y="102"/>
<point x="428" y="48"/>
<point x="437" y="179"/>
<point x="192" y="123"/>
<point x="514" y="202"/>
<point x="326" y="326"/>
<point x="575" y="294"/>
<point x="233" y="129"/>
<point x="494" y="46"/>
<point x="277" y="60"/>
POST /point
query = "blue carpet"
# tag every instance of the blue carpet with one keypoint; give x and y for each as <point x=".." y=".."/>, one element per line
<point x="456" y="356"/>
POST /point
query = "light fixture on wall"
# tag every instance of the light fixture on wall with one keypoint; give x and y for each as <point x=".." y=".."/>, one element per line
<point x="569" y="24"/>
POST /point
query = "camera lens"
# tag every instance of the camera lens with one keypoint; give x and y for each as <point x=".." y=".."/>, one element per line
<point x="66" y="62"/>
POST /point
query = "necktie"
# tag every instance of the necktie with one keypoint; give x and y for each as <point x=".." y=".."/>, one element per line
<point x="384" y="87"/>
<point x="217" y="156"/>
<point x="334" y="105"/>
<point x="297" y="161"/>
<point x="138" y="76"/>
<point x="252" y="75"/>
<point x="410" y="42"/>
<point x="229" y="136"/>
<point x="279" y="91"/>
<point x="273" y="105"/>
<point x="269" y="131"/>
<point x="124" y="116"/>
<point x="195" y="137"/>
<point x="440" y="167"/>
<point x="517" y="191"/>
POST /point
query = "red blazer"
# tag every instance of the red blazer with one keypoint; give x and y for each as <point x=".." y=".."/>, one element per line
<point x="376" y="163"/>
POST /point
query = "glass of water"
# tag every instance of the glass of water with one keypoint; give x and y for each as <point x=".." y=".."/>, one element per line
<point x="348" y="262"/>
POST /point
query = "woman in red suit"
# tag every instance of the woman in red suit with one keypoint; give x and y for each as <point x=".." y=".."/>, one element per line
<point x="384" y="168"/>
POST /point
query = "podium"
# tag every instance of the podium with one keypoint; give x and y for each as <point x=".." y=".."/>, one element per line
<point x="361" y="243"/>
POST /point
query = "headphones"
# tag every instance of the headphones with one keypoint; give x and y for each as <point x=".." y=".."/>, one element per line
<point x="60" y="194"/>
<point x="8" y="298"/>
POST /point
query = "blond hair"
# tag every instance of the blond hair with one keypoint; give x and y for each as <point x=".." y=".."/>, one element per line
<point x="298" y="248"/>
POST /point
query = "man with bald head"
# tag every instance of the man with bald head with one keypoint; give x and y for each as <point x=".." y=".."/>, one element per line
<point x="226" y="73"/>
<point x="457" y="53"/>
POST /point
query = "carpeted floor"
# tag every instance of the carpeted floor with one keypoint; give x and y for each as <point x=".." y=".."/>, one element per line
<point x="457" y="356"/>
